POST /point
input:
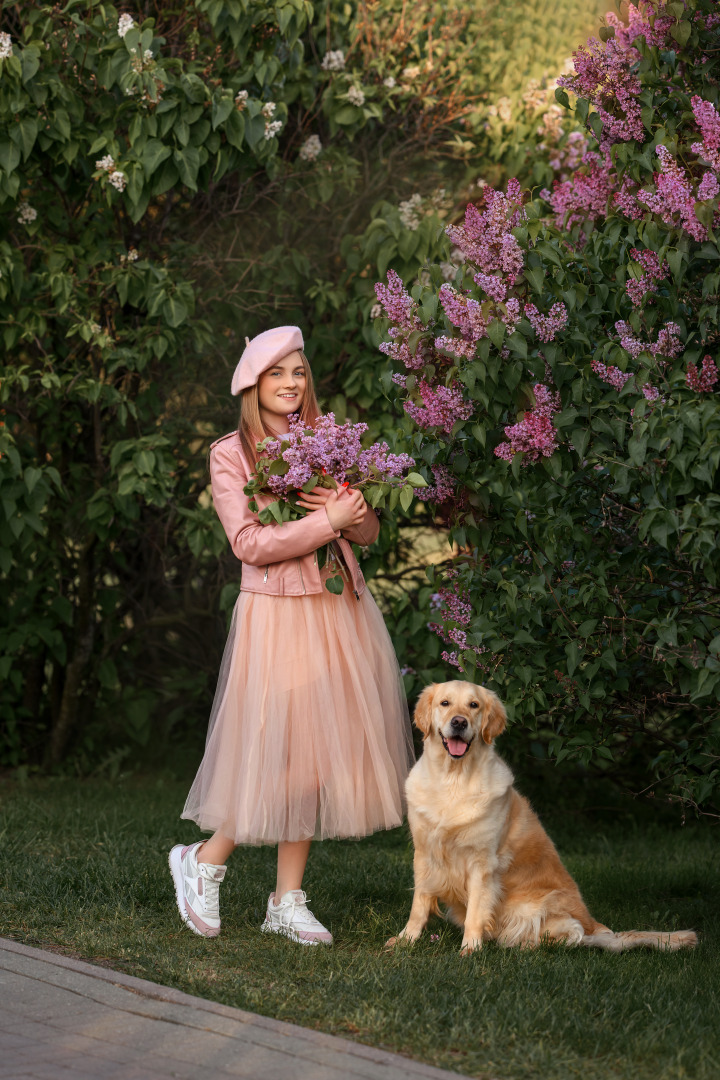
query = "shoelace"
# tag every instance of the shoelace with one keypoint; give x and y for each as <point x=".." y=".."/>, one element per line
<point x="287" y="911"/>
<point x="211" y="897"/>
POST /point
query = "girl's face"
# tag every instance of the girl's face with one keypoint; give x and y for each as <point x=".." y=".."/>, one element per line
<point x="281" y="390"/>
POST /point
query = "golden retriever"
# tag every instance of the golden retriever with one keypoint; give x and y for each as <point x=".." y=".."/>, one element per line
<point x="479" y="847"/>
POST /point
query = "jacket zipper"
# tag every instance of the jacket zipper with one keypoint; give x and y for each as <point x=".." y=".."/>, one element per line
<point x="302" y="579"/>
<point x="266" y="574"/>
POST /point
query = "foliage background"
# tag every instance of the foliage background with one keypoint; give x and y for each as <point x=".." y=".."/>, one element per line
<point x="115" y="573"/>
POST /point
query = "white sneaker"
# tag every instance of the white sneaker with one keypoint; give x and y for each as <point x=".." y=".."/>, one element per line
<point x="292" y="917"/>
<point x="197" y="889"/>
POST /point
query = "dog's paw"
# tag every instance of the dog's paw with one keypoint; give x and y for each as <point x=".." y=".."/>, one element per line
<point x="398" y="940"/>
<point x="470" y="948"/>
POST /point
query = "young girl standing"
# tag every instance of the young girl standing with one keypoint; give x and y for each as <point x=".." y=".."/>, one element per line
<point x="309" y="734"/>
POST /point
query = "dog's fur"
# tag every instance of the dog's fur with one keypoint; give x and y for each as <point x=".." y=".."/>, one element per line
<point x="479" y="847"/>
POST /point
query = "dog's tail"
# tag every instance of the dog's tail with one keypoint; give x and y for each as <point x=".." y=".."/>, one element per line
<point x="604" y="938"/>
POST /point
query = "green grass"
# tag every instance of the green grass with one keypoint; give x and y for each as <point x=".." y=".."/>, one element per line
<point x="83" y="868"/>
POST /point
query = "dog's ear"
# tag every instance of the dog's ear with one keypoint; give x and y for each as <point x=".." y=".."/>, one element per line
<point x="494" y="719"/>
<point x="423" y="710"/>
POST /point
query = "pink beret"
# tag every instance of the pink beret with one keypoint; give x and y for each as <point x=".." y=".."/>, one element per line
<point x="262" y="352"/>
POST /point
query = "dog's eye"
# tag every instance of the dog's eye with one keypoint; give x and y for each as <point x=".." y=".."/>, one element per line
<point x="473" y="705"/>
<point x="444" y="702"/>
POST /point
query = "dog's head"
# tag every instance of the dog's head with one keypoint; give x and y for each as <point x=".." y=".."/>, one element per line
<point x="456" y="713"/>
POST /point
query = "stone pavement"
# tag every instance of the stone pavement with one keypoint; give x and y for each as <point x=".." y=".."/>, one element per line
<point x="63" y="1019"/>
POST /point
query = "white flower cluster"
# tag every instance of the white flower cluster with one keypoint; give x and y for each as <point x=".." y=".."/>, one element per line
<point x="376" y="311"/>
<point x="5" y="46"/>
<point x="268" y="110"/>
<point x="26" y="213"/>
<point x="115" y="176"/>
<point x="131" y="257"/>
<point x="272" y="128"/>
<point x="355" y="95"/>
<point x="310" y="149"/>
<point x="389" y="82"/>
<point x="241" y="99"/>
<point x="409" y="211"/>
<point x="411" y="72"/>
<point x="502" y="109"/>
<point x="142" y="63"/>
<point x="333" y="60"/>
<point x="125" y="23"/>
<point x="448" y="270"/>
<point x="96" y="328"/>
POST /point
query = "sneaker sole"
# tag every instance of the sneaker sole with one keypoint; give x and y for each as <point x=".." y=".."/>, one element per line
<point x="268" y="928"/>
<point x="175" y="864"/>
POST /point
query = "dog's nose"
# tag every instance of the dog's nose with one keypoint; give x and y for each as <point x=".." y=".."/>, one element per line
<point x="458" y="723"/>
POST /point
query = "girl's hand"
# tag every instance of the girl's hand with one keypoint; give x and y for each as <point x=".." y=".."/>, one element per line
<point x="345" y="506"/>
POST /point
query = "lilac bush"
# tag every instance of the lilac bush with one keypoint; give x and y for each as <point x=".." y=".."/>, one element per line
<point x="578" y="344"/>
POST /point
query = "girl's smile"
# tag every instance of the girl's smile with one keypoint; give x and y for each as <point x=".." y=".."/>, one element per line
<point x="281" y="390"/>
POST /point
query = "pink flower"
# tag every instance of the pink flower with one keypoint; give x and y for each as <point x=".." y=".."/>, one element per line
<point x="443" y="488"/>
<point x="547" y="326"/>
<point x="637" y="287"/>
<point x="442" y="406"/>
<point x="652" y="394"/>
<point x="704" y="380"/>
<point x="708" y="121"/>
<point x="485" y="238"/>
<point x="673" y="199"/>
<point x="603" y="77"/>
<point x="584" y="197"/>
<point x="535" y="436"/>
<point x="668" y="342"/>
<point x="611" y="375"/>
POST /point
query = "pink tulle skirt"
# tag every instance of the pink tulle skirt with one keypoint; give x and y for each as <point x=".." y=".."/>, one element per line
<point x="309" y="733"/>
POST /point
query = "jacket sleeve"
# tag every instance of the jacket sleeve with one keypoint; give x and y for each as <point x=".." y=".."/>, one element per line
<point x="367" y="531"/>
<point x="253" y="543"/>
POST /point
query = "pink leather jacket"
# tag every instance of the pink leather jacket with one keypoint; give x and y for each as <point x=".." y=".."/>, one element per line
<point x="279" y="560"/>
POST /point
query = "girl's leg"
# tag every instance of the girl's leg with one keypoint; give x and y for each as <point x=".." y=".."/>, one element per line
<point x="216" y="850"/>
<point x="292" y="857"/>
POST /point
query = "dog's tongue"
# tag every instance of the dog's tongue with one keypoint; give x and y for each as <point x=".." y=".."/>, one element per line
<point x="457" y="747"/>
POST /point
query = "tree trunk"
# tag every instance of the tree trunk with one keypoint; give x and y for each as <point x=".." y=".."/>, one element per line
<point x="82" y="650"/>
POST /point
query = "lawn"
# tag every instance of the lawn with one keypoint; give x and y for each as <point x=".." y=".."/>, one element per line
<point x="83" y="868"/>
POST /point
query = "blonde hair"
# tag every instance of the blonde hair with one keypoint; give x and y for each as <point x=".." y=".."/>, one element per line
<point x="251" y="428"/>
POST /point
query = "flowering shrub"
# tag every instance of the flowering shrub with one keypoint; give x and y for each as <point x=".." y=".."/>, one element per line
<point x="583" y="443"/>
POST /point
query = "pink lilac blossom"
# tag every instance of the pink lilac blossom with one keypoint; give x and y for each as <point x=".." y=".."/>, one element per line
<point x="703" y="380"/>
<point x="584" y="197"/>
<point x="603" y="77"/>
<point x="485" y="237"/>
<point x="673" y="199"/>
<point x="668" y="342"/>
<point x="708" y="187"/>
<point x="334" y="450"/>
<point x="610" y="374"/>
<point x="511" y="317"/>
<point x="442" y="407"/>
<point x="626" y="199"/>
<point x="708" y="121"/>
<point x="566" y="159"/>
<point x="638" y="25"/>
<point x="399" y="308"/>
<point x="443" y="488"/>
<point x="494" y="286"/>
<point x="652" y="394"/>
<point x="547" y="326"/>
<point x="467" y="315"/>
<point x="535" y="436"/>
<point x="654" y="271"/>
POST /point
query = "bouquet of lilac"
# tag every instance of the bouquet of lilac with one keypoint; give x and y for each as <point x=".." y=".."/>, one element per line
<point x="328" y="455"/>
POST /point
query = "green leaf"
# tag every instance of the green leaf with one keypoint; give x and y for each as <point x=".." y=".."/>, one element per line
<point x="335" y="585"/>
<point x="681" y="32"/>
<point x="221" y="109"/>
<point x="235" y="129"/>
<point x="406" y="497"/>
<point x="174" y="311"/>
<point x="416" y="480"/>
<point x="188" y="164"/>
<point x="9" y="155"/>
<point x="154" y="152"/>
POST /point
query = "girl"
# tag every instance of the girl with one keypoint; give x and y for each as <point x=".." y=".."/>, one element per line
<point x="309" y="733"/>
